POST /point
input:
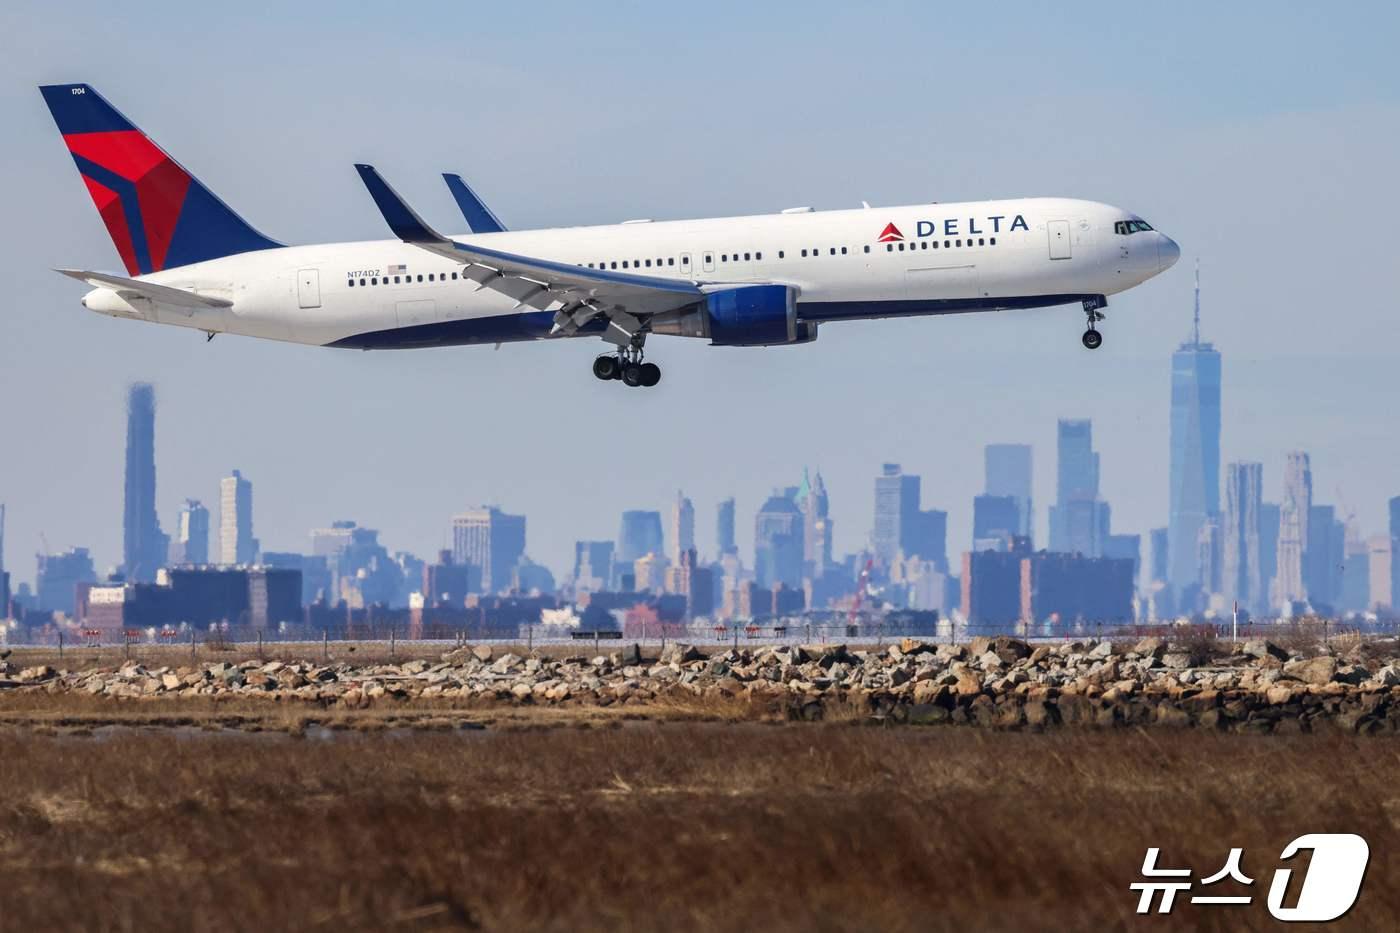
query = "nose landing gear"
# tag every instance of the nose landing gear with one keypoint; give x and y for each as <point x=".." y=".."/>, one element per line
<point x="627" y="366"/>
<point x="1092" y="339"/>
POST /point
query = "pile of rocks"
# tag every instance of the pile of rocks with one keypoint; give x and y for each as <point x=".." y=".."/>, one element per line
<point x="1003" y="682"/>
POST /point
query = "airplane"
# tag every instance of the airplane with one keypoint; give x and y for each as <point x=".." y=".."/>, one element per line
<point x="754" y="281"/>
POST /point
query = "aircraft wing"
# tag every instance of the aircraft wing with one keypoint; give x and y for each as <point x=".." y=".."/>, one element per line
<point x="478" y="215"/>
<point x="127" y="288"/>
<point x="580" y="293"/>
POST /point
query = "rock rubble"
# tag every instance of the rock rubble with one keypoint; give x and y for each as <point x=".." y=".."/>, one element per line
<point x="1002" y="682"/>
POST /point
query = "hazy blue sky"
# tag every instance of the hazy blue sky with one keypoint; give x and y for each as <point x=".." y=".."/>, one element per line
<point x="1262" y="137"/>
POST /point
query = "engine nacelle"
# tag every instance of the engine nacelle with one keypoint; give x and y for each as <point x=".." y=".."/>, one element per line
<point x="744" y="316"/>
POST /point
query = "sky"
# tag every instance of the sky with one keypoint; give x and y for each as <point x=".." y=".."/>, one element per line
<point x="1261" y="137"/>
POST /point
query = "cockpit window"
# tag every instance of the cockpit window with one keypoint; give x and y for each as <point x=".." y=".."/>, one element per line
<point x="1125" y="227"/>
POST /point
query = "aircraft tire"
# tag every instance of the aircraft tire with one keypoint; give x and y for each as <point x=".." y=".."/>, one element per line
<point x="651" y="374"/>
<point x="632" y="375"/>
<point x="606" y="367"/>
<point x="1092" y="339"/>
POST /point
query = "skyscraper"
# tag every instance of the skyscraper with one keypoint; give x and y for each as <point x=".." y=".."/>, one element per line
<point x="682" y="527"/>
<point x="1157" y="573"/>
<point x="1324" y="555"/>
<point x="640" y="535"/>
<point x="236" y="542"/>
<point x="896" y="504"/>
<point x="4" y="577"/>
<point x="1079" y="519"/>
<point x="724" y="529"/>
<point x="995" y="521"/>
<point x="593" y="564"/>
<point x="58" y="578"/>
<point x="901" y="526"/>
<point x="1242" y="576"/>
<point x="492" y="540"/>
<point x="815" y="507"/>
<point x="1008" y="469"/>
<point x="1269" y="513"/>
<point x="1289" y="582"/>
<point x="144" y="546"/>
<point x="1208" y="556"/>
<point x="1195" y="448"/>
<point x="778" y="542"/>
<point x="191" y="535"/>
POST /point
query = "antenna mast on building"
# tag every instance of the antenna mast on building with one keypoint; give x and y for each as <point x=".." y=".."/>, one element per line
<point x="1196" y="321"/>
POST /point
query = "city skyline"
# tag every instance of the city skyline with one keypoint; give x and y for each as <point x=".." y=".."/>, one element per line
<point x="1293" y="550"/>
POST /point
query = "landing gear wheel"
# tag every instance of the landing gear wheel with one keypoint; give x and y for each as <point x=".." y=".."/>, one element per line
<point x="607" y="367"/>
<point x="651" y="374"/>
<point x="1093" y="310"/>
<point x="632" y="374"/>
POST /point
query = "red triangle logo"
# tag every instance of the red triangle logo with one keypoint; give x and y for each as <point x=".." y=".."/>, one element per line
<point x="890" y="234"/>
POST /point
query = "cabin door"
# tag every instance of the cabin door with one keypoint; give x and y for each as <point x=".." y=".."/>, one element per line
<point x="309" y="288"/>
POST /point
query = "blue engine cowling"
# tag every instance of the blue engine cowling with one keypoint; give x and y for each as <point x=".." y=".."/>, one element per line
<point x="755" y="316"/>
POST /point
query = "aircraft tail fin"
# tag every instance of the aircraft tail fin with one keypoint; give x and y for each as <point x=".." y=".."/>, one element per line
<point x="158" y="215"/>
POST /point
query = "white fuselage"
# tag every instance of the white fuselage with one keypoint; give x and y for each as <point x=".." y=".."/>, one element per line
<point x="981" y="255"/>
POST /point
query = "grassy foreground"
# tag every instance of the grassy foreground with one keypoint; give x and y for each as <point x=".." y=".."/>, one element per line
<point x="680" y="826"/>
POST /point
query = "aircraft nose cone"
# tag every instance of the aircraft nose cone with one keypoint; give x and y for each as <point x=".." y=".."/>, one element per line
<point x="1167" y="253"/>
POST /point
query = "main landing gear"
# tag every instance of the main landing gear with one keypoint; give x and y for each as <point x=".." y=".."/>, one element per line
<point x="1092" y="339"/>
<point x="627" y="366"/>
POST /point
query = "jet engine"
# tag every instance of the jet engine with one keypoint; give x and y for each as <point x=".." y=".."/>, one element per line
<point x="744" y="316"/>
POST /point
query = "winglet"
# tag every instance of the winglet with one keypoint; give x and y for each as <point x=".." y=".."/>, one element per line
<point x="402" y="219"/>
<point x="478" y="215"/>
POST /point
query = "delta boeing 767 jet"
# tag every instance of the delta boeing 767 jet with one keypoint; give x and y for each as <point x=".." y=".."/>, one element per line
<point x="758" y="281"/>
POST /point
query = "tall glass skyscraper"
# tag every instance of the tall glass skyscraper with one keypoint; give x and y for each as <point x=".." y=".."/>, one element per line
<point x="143" y="544"/>
<point x="1290" y="583"/>
<point x="1243" y="578"/>
<point x="1008" y="468"/>
<point x="237" y="546"/>
<point x="1079" y="519"/>
<point x="640" y="535"/>
<point x="1195" y="449"/>
<point x="724" y="528"/>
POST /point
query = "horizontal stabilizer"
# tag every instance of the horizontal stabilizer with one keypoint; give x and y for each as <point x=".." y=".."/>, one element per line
<point x="179" y="297"/>
<point x="478" y="215"/>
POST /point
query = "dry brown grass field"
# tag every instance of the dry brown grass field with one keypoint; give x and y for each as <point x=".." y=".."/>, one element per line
<point x="680" y="826"/>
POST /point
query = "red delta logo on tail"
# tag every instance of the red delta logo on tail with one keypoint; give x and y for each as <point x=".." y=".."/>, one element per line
<point x="138" y="191"/>
<point x="890" y="234"/>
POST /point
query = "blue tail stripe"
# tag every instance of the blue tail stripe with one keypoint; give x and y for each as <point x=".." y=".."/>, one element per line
<point x="131" y="207"/>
